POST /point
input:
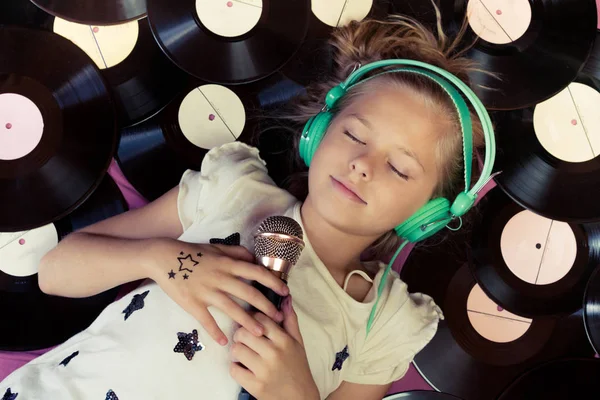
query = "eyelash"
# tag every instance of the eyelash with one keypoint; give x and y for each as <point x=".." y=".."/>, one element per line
<point x="400" y="174"/>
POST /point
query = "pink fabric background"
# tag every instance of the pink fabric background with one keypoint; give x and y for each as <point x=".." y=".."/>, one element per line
<point x="9" y="361"/>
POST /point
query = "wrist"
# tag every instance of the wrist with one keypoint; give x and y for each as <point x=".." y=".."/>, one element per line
<point x="151" y="250"/>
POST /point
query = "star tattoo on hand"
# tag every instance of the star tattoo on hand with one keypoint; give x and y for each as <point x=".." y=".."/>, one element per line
<point x="184" y="260"/>
<point x="172" y="274"/>
<point x="185" y="276"/>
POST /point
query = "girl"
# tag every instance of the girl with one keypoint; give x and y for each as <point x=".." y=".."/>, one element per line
<point x="394" y="143"/>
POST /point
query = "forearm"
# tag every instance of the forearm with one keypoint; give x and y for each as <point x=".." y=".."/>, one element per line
<point x="85" y="264"/>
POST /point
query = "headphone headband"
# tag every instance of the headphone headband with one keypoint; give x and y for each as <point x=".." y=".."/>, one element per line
<point x="490" y="145"/>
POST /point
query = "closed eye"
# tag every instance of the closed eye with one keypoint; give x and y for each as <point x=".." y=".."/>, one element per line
<point x="352" y="137"/>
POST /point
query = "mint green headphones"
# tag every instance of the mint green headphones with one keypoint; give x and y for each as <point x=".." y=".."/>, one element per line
<point x="437" y="213"/>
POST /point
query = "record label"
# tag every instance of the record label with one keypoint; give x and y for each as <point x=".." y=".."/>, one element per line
<point x="538" y="250"/>
<point x="492" y="321"/>
<point x="499" y="21"/>
<point x="108" y="46"/>
<point x="211" y="115"/>
<point x="21" y="126"/>
<point x="567" y="125"/>
<point x="229" y="18"/>
<point x="337" y="13"/>
<point x="21" y="252"/>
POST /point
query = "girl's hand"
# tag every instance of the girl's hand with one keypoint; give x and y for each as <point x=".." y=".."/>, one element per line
<point x="277" y="363"/>
<point x="196" y="276"/>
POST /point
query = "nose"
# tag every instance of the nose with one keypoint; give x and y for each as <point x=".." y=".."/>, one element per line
<point x="362" y="167"/>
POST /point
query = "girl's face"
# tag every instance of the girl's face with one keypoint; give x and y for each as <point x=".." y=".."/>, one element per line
<point x="382" y="147"/>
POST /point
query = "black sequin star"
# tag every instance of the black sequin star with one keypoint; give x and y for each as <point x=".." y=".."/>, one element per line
<point x="137" y="303"/>
<point x="182" y="259"/>
<point x="8" y="395"/>
<point x="172" y="275"/>
<point x="110" y="395"/>
<point x="68" y="359"/>
<point x="340" y="357"/>
<point x="231" y="240"/>
<point x="188" y="344"/>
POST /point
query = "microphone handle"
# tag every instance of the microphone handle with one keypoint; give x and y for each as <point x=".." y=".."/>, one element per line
<point x="276" y="299"/>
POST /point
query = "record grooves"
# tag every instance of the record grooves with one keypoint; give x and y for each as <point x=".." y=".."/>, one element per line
<point x="242" y="59"/>
<point x="78" y="136"/>
<point x="591" y="310"/>
<point x="537" y="65"/>
<point x="513" y="293"/>
<point x="460" y="361"/>
<point x="94" y="12"/>
<point x="33" y="320"/>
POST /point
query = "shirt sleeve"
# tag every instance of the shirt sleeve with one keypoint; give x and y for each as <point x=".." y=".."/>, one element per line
<point x="222" y="166"/>
<point x="405" y="325"/>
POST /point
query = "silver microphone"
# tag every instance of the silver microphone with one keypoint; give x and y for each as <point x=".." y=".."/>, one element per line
<point x="277" y="247"/>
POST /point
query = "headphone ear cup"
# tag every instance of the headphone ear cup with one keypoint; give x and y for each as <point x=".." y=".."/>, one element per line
<point x="314" y="131"/>
<point x="428" y="220"/>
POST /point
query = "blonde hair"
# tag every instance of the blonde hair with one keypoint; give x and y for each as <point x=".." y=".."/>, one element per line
<point x="370" y="40"/>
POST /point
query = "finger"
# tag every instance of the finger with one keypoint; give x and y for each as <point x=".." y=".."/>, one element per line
<point x="247" y="357"/>
<point x="253" y="272"/>
<point x="252" y="296"/>
<point x="237" y="252"/>
<point x="244" y="377"/>
<point x="273" y="331"/>
<point x="210" y="325"/>
<point x="238" y="314"/>
<point x="259" y="345"/>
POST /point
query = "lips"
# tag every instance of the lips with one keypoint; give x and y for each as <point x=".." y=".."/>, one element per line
<point x="350" y="189"/>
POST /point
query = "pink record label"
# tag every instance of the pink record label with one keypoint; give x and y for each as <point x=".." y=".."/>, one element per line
<point x="108" y="46"/>
<point x="499" y="21"/>
<point x="491" y="321"/>
<point x="21" y="252"/>
<point x="211" y="115"/>
<point x="21" y="126"/>
<point x="229" y="18"/>
<point x="568" y="124"/>
<point x="538" y="250"/>
<point x="340" y="12"/>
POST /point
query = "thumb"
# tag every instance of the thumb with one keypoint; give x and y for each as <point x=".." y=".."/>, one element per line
<point x="290" y="320"/>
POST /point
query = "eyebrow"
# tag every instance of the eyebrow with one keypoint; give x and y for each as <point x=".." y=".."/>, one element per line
<point x="402" y="149"/>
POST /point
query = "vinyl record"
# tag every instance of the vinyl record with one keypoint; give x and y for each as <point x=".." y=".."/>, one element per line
<point x="478" y="348"/>
<point x="571" y="378"/>
<point x="420" y="395"/>
<point x="31" y="318"/>
<point x="142" y="80"/>
<point x="229" y="42"/>
<point x="537" y="47"/>
<point x="57" y="128"/>
<point x="548" y="154"/>
<point x="591" y="310"/>
<point x="314" y="58"/>
<point x="154" y="154"/>
<point x="92" y="12"/>
<point x="531" y="265"/>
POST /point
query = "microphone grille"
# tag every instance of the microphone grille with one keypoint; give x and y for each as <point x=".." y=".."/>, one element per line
<point x="279" y="237"/>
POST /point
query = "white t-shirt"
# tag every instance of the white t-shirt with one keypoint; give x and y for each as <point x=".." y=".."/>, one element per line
<point x="142" y="346"/>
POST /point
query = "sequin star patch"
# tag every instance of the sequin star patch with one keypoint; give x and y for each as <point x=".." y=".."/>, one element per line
<point x="8" y="395"/>
<point x="68" y="359"/>
<point x="231" y="240"/>
<point x="137" y="303"/>
<point x="340" y="357"/>
<point x="110" y="395"/>
<point x="188" y="344"/>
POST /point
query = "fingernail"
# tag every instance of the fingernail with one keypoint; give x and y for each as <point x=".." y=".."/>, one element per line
<point x="258" y="330"/>
<point x="285" y="291"/>
<point x="223" y="341"/>
<point x="279" y="316"/>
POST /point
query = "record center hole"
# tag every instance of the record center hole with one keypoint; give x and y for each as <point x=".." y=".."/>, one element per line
<point x="538" y="246"/>
<point x="211" y="117"/>
<point x="8" y="125"/>
<point x="230" y="4"/>
<point x="96" y="29"/>
<point x="498" y="12"/>
<point x="21" y="242"/>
